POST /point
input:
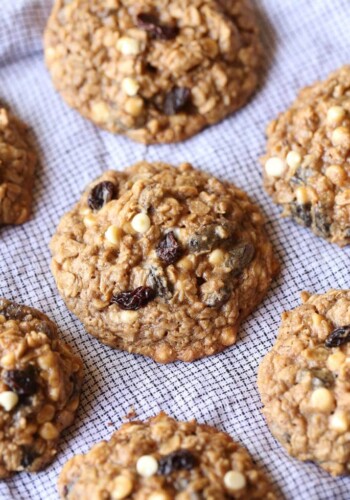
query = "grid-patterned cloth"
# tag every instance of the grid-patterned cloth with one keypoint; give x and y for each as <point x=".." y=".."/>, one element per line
<point x="304" y="41"/>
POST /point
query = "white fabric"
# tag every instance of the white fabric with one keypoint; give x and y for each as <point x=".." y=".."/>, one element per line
<point x="304" y="41"/>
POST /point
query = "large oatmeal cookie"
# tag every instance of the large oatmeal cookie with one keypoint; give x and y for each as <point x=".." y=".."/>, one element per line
<point x="163" y="261"/>
<point x="162" y="459"/>
<point x="155" y="70"/>
<point x="17" y="164"/>
<point x="304" y="381"/>
<point x="307" y="164"/>
<point x="40" y="382"/>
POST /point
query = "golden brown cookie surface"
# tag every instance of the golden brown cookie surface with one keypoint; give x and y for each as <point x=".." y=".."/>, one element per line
<point x="162" y="459"/>
<point x="304" y="381"/>
<point x="307" y="164"/>
<point x="17" y="163"/>
<point x="163" y="261"/>
<point x="40" y="381"/>
<point x="155" y="70"/>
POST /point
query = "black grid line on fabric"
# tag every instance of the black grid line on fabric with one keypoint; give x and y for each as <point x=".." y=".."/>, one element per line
<point x="304" y="42"/>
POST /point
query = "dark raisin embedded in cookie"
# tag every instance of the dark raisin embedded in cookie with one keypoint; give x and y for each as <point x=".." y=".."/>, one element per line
<point x="176" y="100"/>
<point x="163" y="459"/>
<point x="101" y="194"/>
<point x="177" y="254"/>
<point x="169" y="251"/>
<point x="23" y="382"/>
<point x="177" y="460"/>
<point x="150" y="23"/>
<point x="134" y="299"/>
<point x="338" y="337"/>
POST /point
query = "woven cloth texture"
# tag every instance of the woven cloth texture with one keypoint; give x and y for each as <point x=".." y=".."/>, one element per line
<point x="303" y="41"/>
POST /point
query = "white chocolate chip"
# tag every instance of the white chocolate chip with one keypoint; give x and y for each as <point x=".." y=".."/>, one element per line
<point x="113" y="235"/>
<point x="128" y="317"/>
<point x="335" y="115"/>
<point x="339" y="422"/>
<point x="275" y="167"/>
<point x="186" y="263"/>
<point x="100" y="111"/>
<point x="158" y="495"/>
<point x="234" y="480"/>
<point x="302" y="195"/>
<point x="8" y="400"/>
<point x="4" y="120"/>
<point x="335" y="360"/>
<point x="130" y="86"/>
<point x="134" y="106"/>
<point x="128" y="46"/>
<point x="336" y="174"/>
<point x="322" y="400"/>
<point x="141" y="223"/>
<point x="147" y="466"/>
<point x="89" y="220"/>
<point x="293" y="159"/>
<point x="216" y="257"/>
<point x="122" y="487"/>
<point x="8" y="360"/>
<point x="341" y="137"/>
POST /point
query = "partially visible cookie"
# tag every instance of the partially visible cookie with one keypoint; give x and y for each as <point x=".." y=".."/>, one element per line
<point x="304" y="381"/>
<point x="156" y="71"/>
<point x="40" y="381"/>
<point x="17" y="164"/>
<point x="307" y="163"/>
<point x="162" y="261"/>
<point x="162" y="459"/>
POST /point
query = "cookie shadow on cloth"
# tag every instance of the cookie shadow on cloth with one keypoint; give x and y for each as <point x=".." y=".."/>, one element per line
<point x="268" y="39"/>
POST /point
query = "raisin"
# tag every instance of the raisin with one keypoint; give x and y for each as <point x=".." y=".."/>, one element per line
<point x="239" y="258"/>
<point x="322" y="221"/>
<point x="178" y="99"/>
<point x="157" y="280"/>
<point x="208" y="237"/>
<point x="28" y="456"/>
<point x="302" y="213"/>
<point x="134" y="299"/>
<point x="178" y="460"/>
<point x="22" y="382"/>
<point x="169" y="250"/>
<point x="150" y="23"/>
<point x="338" y="337"/>
<point x="101" y="194"/>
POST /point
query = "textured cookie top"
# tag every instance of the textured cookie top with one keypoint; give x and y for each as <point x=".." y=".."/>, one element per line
<point x="155" y="70"/>
<point x="162" y="459"/>
<point x="163" y="261"/>
<point x="304" y="381"/>
<point x="307" y="164"/>
<point x="40" y="382"/>
<point x="17" y="163"/>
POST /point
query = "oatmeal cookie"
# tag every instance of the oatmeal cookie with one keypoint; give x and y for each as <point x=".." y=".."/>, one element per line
<point x="155" y="70"/>
<point x="162" y="459"/>
<point x="304" y="381"/>
<point x="307" y="164"/>
<point x="40" y="382"/>
<point x="17" y="164"/>
<point x="163" y="261"/>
